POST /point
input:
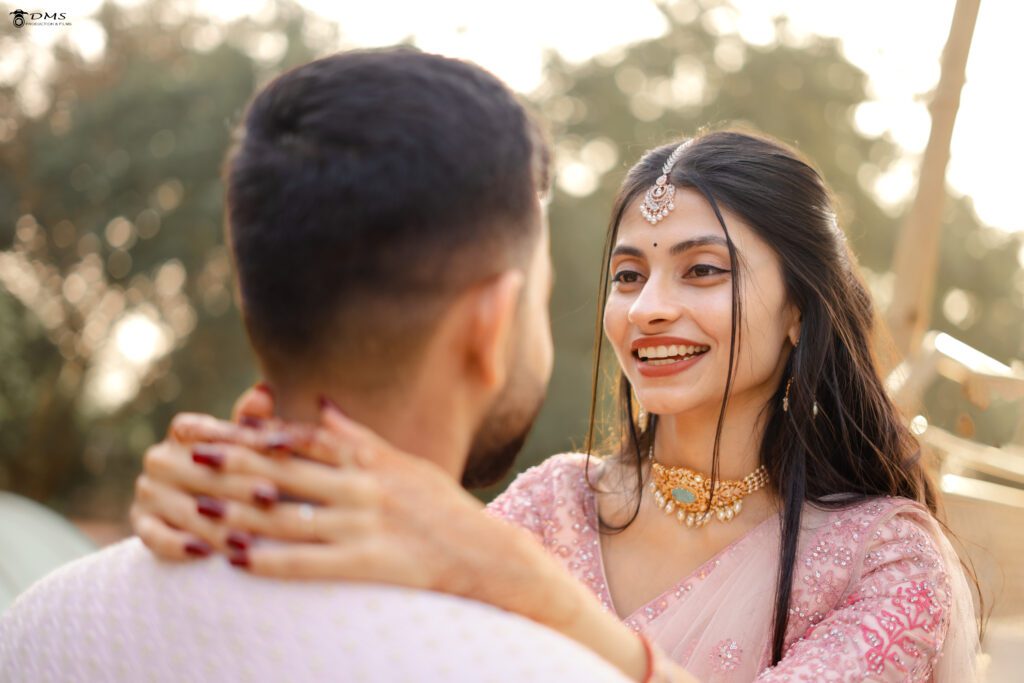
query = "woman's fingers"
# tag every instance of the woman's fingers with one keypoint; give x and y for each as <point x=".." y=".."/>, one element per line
<point x="192" y="427"/>
<point x="181" y="512"/>
<point x="234" y="472"/>
<point x="166" y="542"/>
<point x="303" y="522"/>
<point x="342" y="441"/>
<point x="197" y="469"/>
<point x="256" y="404"/>
<point x="338" y="451"/>
<point x="297" y="477"/>
<point x="358" y="561"/>
<point x="187" y="428"/>
<point x="365" y="444"/>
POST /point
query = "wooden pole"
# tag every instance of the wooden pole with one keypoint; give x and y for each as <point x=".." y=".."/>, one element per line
<point x="915" y="263"/>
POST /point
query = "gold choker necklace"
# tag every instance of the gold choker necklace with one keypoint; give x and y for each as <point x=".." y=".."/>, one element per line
<point x="687" y="494"/>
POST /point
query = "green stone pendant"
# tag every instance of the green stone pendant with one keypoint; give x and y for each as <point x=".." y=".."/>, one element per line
<point x="684" y="496"/>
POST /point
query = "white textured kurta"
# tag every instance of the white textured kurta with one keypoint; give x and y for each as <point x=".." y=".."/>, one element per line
<point x="122" y="615"/>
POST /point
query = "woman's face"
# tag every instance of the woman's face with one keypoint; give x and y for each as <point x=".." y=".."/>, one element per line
<point x="669" y="311"/>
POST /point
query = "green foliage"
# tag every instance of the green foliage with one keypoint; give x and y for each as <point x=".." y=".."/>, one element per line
<point x="115" y="206"/>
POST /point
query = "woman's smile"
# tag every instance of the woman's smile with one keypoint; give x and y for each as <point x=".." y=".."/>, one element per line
<point x="662" y="356"/>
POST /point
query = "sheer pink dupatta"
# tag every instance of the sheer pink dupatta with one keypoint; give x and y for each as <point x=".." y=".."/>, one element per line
<point x="878" y="591"/>
<point x="871" y="599"/>
<point x="716" y="629"/>
<point x="959" y="659"/>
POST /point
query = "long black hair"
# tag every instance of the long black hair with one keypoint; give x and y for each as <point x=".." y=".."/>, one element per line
<point x="858" y="443"/>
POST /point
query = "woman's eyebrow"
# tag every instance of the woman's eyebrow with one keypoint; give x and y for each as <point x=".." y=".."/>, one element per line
<point x="626" y="250"/>
<point x="702" y="241"/>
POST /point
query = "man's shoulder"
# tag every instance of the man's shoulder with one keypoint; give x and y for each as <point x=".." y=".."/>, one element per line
<point x="85" y="573"/>
<point x="125" y="615"/>
<point x="128" y="572"/>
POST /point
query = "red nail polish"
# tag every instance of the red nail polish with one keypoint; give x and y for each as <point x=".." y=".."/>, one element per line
<point x="264" y="495"/>
<point x="239" y="540"/>
<point x="239" y="559"/>
<point x="250" y="421"/>
<point x="198" y="548"/>
<point x="279" y="441"/>
<point x="326" y="403"/>
<point x="210" y="507"/>
<point x="208" y="455"/>
<point x="265" y="388"/>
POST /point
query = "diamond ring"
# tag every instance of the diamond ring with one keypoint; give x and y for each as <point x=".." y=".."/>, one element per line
<point x="307" y="513"/>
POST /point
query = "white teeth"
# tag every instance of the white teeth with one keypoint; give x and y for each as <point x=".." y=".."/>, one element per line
<point x="652" y="353"/>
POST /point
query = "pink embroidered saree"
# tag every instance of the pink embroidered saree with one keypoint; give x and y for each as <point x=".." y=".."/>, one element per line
<point x="878" y="592"/>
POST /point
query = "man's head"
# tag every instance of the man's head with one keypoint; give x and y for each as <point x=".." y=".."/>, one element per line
<point x="383" y="208"/>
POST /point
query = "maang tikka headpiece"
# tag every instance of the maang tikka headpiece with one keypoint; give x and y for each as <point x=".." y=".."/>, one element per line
<point x="660" y="198"/>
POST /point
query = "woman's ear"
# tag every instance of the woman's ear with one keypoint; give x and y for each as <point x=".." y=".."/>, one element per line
<point x="795" y="326"/>
<point x="492" y="310"/>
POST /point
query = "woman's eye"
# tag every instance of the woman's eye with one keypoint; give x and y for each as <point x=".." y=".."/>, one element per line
<point x="705" y="270"/>
<point x="626" y="277"/>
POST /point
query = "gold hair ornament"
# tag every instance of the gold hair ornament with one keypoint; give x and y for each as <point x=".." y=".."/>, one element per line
<point x="660" y="198"/>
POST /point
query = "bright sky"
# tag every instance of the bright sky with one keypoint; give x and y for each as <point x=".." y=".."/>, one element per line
<point x="898" y="43"/>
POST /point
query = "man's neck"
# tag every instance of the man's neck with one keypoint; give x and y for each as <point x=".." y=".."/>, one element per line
<point x="422" y="422"/>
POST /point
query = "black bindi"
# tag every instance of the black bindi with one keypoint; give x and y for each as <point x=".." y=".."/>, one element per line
<point x="655" y="244"/>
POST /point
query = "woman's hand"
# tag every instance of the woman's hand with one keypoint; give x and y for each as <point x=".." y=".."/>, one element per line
<point x="369" y="512"/>
<point x="165" y="514"/>
<point x="213" y="484"/>
<point x="366" y="507"/>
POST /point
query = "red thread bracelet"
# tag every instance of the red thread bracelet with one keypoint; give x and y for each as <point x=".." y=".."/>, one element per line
<point x="649" y="654"/>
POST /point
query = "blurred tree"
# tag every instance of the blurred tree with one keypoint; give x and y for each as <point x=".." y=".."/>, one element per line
<point x="115" y="306"/>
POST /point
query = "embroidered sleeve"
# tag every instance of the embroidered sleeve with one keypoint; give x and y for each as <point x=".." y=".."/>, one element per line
<point x="529" y="500"/>
<point x="890" y="624"/>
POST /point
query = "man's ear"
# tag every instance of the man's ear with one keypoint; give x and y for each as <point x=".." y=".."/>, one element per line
<point x="491" y="314"/>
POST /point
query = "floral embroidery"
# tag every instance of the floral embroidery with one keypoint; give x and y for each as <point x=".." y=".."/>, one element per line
<point x="917" y="610"/>
<point x="552" y="501"/>
<point x="871" y="594"/>
<point x="726" y="655"/>
<point x="890" y="623"/>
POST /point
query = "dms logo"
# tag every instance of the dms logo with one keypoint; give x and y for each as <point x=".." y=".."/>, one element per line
<point x="21" y="17"/>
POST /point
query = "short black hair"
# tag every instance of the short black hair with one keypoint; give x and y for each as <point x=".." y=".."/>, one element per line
<point x="364" y="190"/>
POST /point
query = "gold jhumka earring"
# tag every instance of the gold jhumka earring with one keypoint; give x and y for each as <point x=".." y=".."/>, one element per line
<point x="785" y="398"/>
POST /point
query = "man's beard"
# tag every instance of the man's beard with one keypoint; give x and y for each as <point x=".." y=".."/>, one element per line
<point x="501" y="435"/>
